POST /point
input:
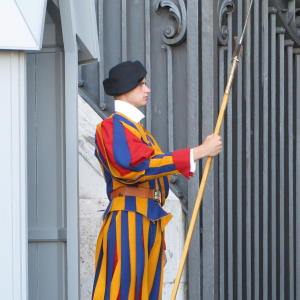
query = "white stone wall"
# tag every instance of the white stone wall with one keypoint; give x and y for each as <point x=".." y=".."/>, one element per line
<point x="93" y="201"/>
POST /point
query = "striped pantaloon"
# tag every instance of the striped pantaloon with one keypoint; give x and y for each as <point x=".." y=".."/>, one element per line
<point x="128" y="259"/>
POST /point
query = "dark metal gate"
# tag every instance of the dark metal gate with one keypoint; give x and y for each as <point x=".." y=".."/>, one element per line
<point x="247" y="243"/>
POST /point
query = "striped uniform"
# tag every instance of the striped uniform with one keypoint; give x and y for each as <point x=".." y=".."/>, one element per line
<point x="128" y="259"/>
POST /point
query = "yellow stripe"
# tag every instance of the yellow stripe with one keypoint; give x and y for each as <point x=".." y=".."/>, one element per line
<point x="118" y="203"/>
<point x="100" y="286"/>
<point x="150" y="177"/>
<point x="142" y="205"/>
<point x="115" y="283"/>
<point x="145" y="288"/>
<point x="132" y="251"/>
<point x="161" y="273"/>
<point x="99" y="241"/>
<point x="116" y="184"/>
<point x="165" y="220"/>
<point x="163" y="189"/>
<point x="161" y="281"/>
<point x="132" y="130"/>
<point x="143" y="133"/>
<point x="160" y="162"/>
<point x="154" y="256"/>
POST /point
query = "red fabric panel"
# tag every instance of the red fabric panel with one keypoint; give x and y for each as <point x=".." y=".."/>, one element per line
<point x="182" y="162"/>
<point x="138" y="150"/>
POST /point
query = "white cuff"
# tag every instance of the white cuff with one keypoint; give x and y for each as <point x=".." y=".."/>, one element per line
<point x="192" y="162"/>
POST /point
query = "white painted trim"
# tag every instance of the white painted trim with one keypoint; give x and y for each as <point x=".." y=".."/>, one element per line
<point x="21" y="27"/>
<point x="71" y="124"/>
<point x="86" y="27"/>
<point x="13" y="177"/>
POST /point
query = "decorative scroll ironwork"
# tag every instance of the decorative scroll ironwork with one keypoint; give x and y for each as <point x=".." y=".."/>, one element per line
<point x="172" y="35"/>
<point x="289" y="17"/>
<point x="225" y="7"/>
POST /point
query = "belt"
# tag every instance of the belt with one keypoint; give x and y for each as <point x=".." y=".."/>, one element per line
<point x="138" y="192"/>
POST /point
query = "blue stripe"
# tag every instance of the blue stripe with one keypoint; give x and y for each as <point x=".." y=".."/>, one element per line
<point x="140" y="259"/>
<point x="154" y="211"/>
<point x="141" y="166"/>
<point x="152" y="184"/>
<point x="156" y="284"/>
<point x="97" y="271"/>
<point x="166" y="187"/>
<point x="111" y="239"/>
<point x="109" y="184"/>
<point x="162" y="155"/>
<point x="121" y="118"/>
<point x="159" y="170"/>
<point x="159" y="185"/>
<point x="125" y="267"/>
<point x="120" y="147"/>
<point x="130" y="203"/>
<point x="152" y="235"/>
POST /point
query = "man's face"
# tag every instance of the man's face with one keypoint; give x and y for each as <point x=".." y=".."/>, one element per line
<point x="138" y="96"/>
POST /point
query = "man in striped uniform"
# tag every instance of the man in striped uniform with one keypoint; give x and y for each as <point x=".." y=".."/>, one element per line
<point x="130" y="250"/>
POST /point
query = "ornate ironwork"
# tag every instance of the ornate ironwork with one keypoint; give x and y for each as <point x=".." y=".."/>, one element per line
<point x="225" y="7"/>
<point x="174" y="35"/>
<point x="289" y="17"/>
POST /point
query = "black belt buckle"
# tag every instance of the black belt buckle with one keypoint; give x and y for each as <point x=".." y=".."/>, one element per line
<point x="157" y="196"/>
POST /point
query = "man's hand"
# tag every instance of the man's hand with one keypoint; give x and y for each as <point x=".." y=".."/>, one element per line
<point x="211" y="146"/>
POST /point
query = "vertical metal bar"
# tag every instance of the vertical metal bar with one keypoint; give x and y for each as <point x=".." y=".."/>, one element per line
<point x="291" y="7"/>
<point x="240" y="166"/>
<point x="102" y="104"/>
<point x="229" y="174"/>
<point x="148" y="58"/>
<point x="249" y="202"/>
<point x="266" y="174"/>
<point x="193" y="113"/>
<point x="297" y="196"/>
<point x="281" y="102"/>
<point x="256" y="149"/>
<point x="209" y="108"/>
<point x="222" y="180"/>
<point x="124" y="30"/>
<point x="290" y="105"/>
<point x="170" y="96"/>
<point x="273" y="153"/>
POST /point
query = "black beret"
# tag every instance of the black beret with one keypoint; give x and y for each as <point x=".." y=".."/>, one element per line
<point x="124" y="77"/>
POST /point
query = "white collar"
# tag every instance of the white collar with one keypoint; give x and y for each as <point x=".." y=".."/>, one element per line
<point x="129" y="110"/>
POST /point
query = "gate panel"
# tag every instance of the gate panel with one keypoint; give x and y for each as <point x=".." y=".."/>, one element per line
<point x="258" y="169"/>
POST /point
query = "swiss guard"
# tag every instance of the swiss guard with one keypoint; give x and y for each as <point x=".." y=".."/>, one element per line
<point x="130" y="250"/>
